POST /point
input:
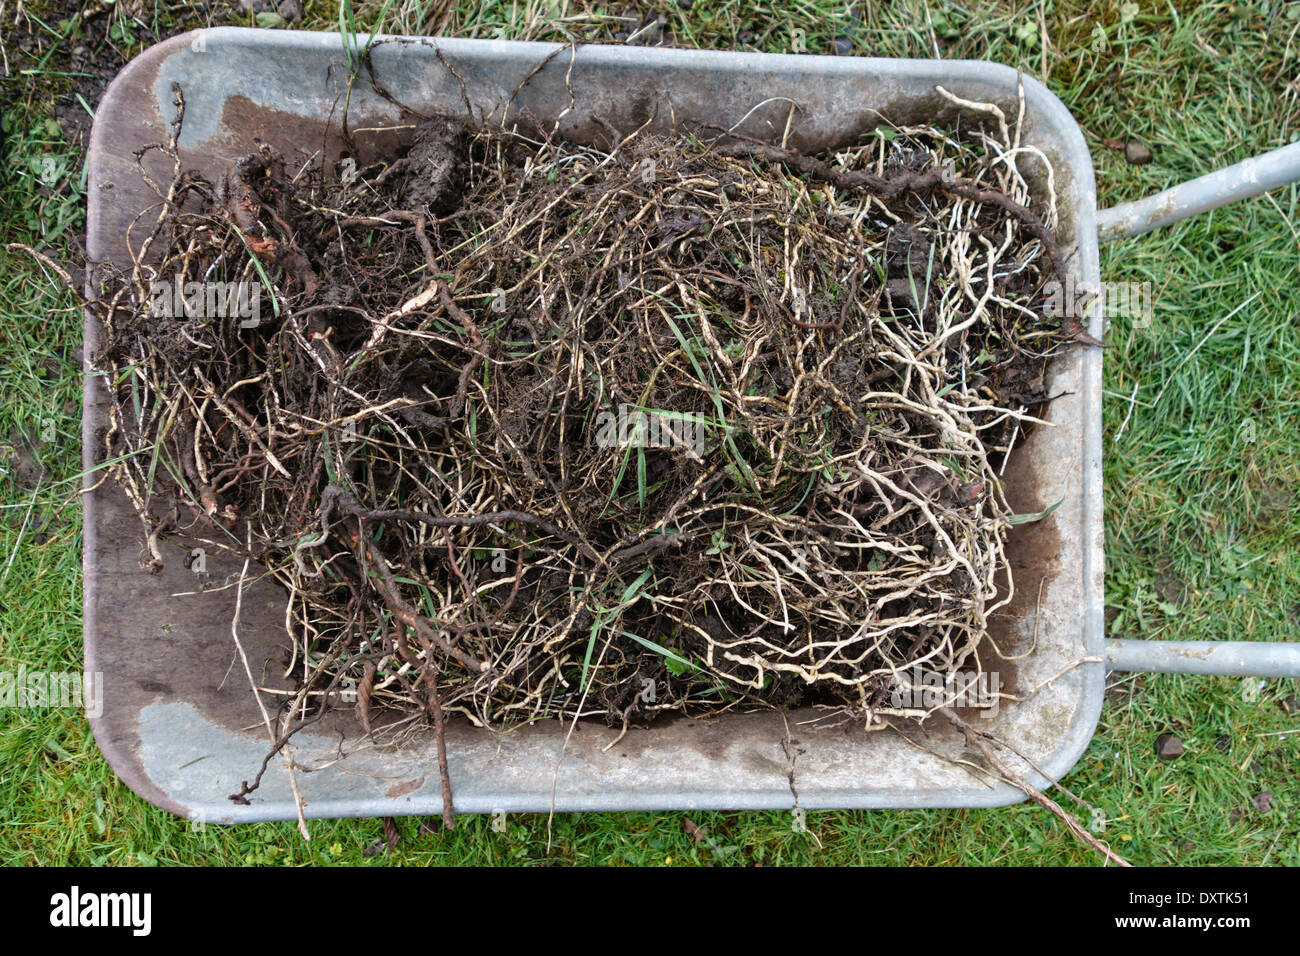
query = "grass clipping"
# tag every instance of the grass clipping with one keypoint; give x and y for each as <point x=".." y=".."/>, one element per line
<point x="532" y="430"/>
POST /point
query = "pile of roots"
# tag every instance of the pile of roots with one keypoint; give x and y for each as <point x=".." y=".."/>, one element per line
<point x="532" y="429"/>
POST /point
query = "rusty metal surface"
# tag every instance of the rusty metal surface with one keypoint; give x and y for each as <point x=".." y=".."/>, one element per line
<point x="179" y="723"/>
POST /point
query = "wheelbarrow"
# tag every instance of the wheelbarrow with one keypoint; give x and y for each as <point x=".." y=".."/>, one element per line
<point x="179" y="722"/>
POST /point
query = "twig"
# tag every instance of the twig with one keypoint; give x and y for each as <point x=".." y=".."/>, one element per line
<point x="266" y="717"/>
<point x="1033" y="793"/>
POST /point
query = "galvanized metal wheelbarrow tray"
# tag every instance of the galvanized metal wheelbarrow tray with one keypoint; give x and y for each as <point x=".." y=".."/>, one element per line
<point x="179" y="723"/>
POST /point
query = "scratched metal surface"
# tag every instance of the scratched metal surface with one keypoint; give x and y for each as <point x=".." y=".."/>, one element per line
<point x="180" y="725"/>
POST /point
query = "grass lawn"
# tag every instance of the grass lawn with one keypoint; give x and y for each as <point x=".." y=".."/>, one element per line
<point x="1202" y="484"/>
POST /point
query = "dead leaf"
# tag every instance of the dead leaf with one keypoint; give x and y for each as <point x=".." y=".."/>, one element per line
<point x="696" y="832"/>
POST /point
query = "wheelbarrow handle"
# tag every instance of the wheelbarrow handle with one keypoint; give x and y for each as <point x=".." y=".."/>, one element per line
<point x="1241" y="181"/>
<point x="1226" y="658"/>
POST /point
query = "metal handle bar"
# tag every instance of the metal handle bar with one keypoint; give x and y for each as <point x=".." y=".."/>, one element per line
<point x="1248" y="178"/>
<point x="1241" y="181"/>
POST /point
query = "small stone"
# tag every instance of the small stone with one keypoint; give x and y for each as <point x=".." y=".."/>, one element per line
<point x="1169" y="747"/>
<point x="1138" y="154"/>
<point x="1263" y="801"/>
<point x="843" y="45"/>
